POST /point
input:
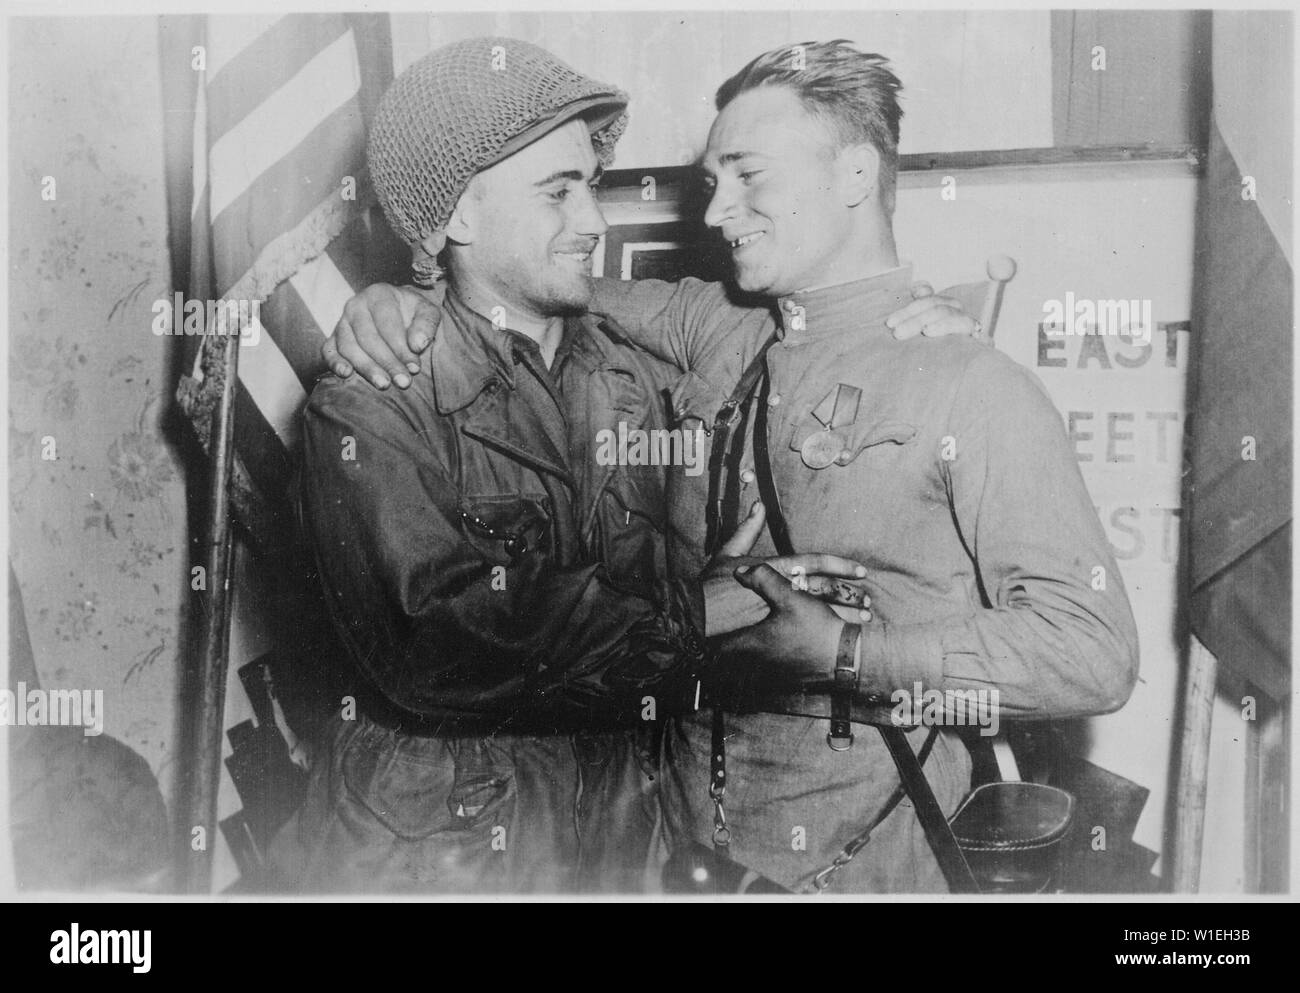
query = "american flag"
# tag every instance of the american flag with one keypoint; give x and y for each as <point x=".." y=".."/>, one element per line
<point x="266" y="125"/>
<point x="280" y="212"/>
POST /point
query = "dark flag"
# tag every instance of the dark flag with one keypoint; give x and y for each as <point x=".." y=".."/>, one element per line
<point x="1239" y="493"/>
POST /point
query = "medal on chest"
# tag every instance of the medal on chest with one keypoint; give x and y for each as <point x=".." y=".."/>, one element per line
<point x="838" y="409"/>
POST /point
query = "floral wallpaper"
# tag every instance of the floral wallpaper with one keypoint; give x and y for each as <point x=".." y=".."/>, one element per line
<point x="97" y="520"/>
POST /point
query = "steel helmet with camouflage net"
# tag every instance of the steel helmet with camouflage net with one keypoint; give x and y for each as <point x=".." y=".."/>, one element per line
<point x="467" y="106"/>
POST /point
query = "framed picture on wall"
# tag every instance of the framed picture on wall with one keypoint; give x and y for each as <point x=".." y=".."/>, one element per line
<point x="656" y="227"/>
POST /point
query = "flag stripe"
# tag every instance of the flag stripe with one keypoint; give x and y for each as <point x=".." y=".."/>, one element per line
<point x="200" y="246"/>
<point x="287" y="192"/>
<point x="268" y="62"/>
<point x="286" y="118"/>
<point x="229" y="34"/>
<point x="296" y="333"/>
<point x="324" y="291"/>
<point x="348" y="251"/>
<point x="199" y="149"/>
<point x="259" y="448"/>
<point x="273" y="386"/>
<point x="368" y="252"/>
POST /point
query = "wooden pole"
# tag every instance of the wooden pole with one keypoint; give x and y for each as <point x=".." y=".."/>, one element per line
<point x="210" y="685"/>
<point x="1268" y="777"/>
<point x="1001" y="270"/>
<point x="1193" y="767"/>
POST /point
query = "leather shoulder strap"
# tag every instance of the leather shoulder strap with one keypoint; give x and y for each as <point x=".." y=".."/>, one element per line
<point x="777" y="526"/>
<point x="719" y="458"/>
<point x="938" y="832"/>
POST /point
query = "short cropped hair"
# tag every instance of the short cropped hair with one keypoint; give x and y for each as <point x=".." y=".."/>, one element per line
<point x="853" y="93"/>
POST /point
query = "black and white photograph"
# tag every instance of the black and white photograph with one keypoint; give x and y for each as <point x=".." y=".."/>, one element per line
<point x="702" y="455"/>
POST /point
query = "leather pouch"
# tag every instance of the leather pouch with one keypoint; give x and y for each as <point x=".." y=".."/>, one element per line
<point x="1012" y="835"/>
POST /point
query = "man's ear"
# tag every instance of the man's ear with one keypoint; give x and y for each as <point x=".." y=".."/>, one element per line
<point x="460" y="229"/>
<point x="859" y="173"/>
<point x="435" y="243"/>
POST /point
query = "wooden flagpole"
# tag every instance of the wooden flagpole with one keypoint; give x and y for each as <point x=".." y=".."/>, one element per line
<point x="1193" y="766"/>
<point x="210" y="684"/>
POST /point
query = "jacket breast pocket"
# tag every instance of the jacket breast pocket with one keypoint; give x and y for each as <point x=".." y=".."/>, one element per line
<point x="641" y="491"/>
<point x="507" y="528"/>
<point x="633" y="519"/>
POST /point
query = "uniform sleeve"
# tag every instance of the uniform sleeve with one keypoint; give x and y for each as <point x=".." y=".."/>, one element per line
<point x="671" y="321"/>
<point x="442" y="629"/>
<point x="1057" y="638"/>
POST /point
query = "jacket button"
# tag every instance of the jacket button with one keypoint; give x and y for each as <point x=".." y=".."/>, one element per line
<point x="774" y="399"/>
<point x="747" y="476"/>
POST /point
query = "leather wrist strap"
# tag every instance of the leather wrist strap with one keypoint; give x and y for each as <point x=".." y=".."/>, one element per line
<point x="840" y="736"/>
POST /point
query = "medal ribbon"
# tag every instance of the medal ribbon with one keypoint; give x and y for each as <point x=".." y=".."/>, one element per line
<point x="839" y="409"/>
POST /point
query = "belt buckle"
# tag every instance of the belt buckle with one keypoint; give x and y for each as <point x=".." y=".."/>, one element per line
<point x="839" y="743"/>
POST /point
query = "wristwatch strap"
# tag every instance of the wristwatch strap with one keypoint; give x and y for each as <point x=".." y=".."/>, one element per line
<point x="840" y="736"/>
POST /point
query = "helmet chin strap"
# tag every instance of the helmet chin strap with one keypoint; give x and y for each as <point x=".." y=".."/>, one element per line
<point x="424" y="259"/>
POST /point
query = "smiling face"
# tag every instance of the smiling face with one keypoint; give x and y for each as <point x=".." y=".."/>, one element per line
<point x="524" y="231"/>
<point x="780" y="198"/>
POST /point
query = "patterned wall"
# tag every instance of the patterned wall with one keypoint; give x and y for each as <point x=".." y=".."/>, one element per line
<point x="97" y="536"/>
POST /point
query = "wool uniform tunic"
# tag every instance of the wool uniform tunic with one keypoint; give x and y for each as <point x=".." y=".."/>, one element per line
<point x="951" y="478"/>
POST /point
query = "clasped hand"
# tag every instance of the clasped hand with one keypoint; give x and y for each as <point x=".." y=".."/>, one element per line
<point x="765" y="635"/>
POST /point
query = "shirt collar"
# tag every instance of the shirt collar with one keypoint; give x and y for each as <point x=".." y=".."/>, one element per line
<point x="861" y="305"/>
<point x="469" y="351"/>
<point x="517" y="344"/>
